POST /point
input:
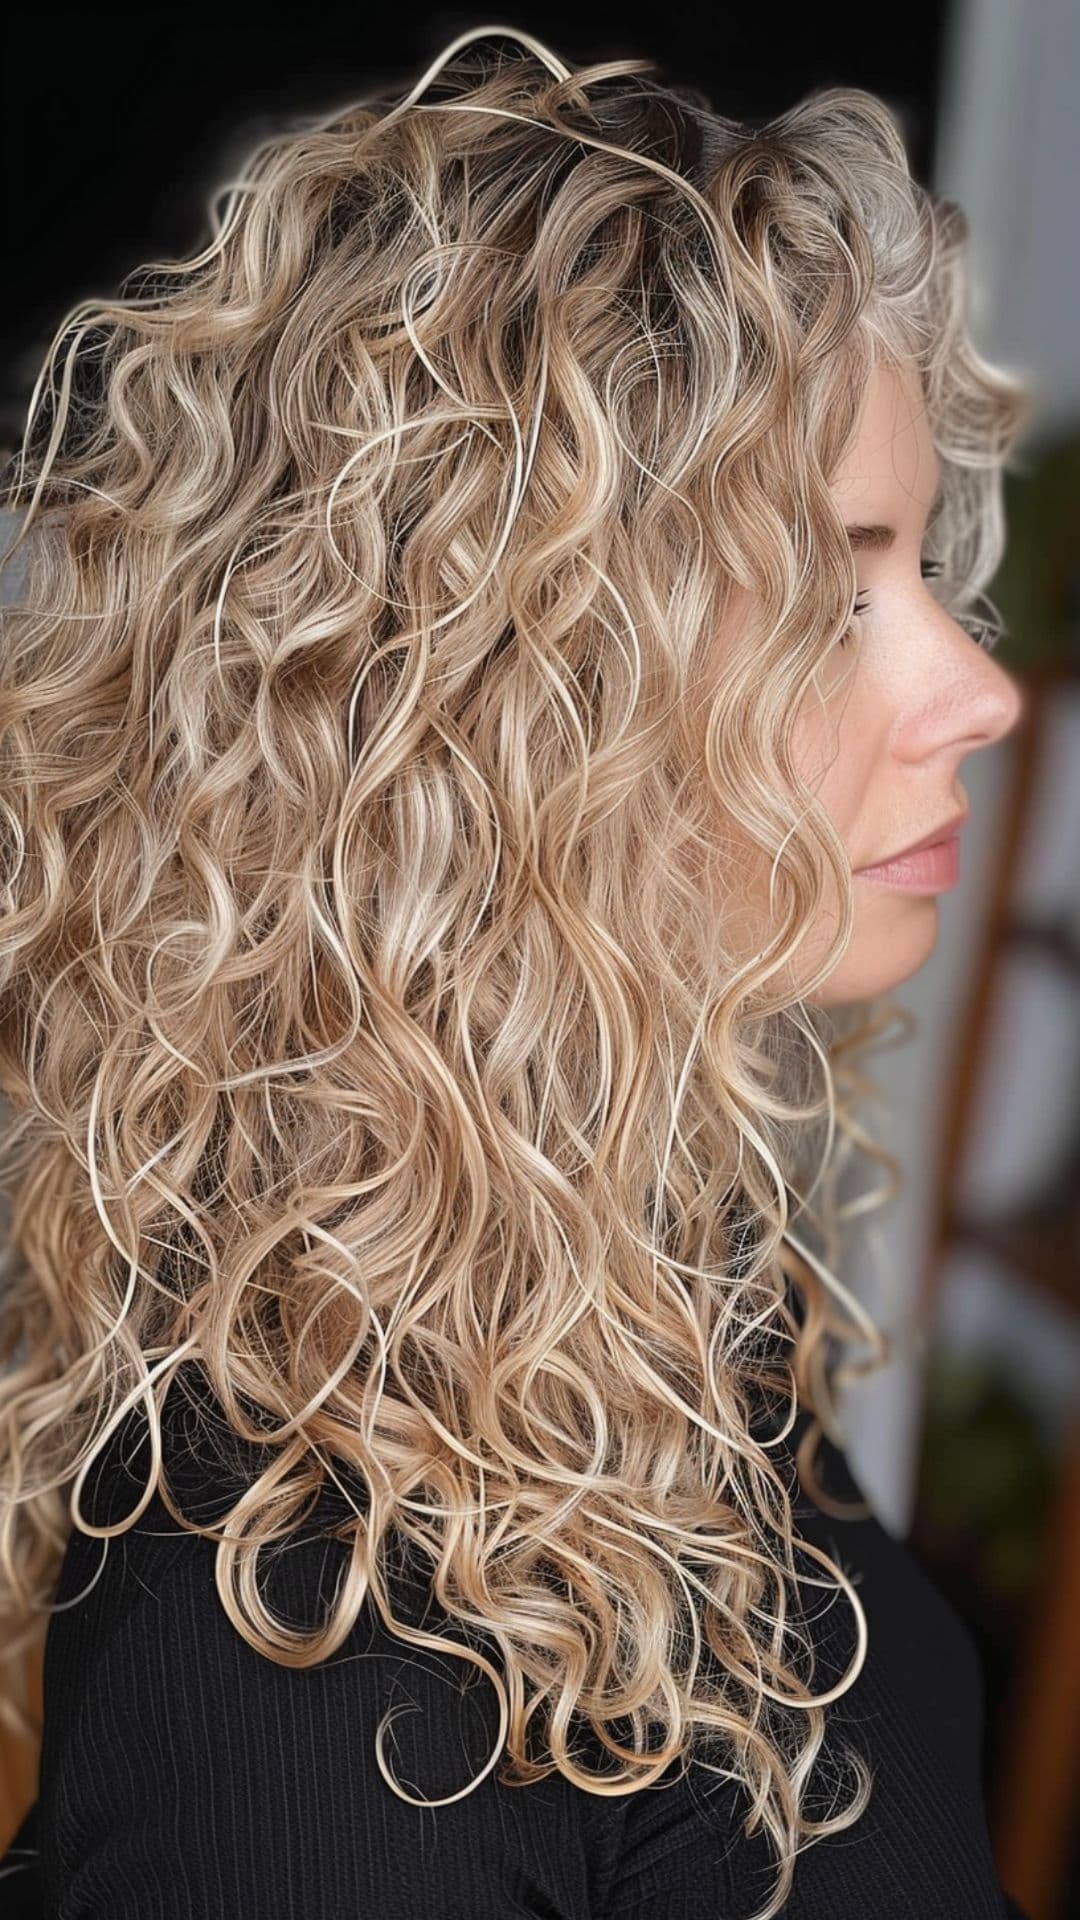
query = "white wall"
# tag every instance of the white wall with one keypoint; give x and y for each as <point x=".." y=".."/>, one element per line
<point x="1009" y="152"/>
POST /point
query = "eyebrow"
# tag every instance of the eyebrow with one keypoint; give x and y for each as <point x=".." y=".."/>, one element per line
<point x="877" y="538"/>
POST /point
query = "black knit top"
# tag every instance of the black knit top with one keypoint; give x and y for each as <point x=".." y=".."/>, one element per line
<point x="186" y="1777"/>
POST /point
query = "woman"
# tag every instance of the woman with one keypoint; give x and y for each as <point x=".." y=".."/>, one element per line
<point x="493" y="618"/>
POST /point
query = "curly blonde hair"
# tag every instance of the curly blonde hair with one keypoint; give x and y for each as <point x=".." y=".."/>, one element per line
<point x="370" y="1035"/>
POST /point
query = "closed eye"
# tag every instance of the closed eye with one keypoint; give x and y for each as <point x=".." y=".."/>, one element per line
<point x="930" y="569"/>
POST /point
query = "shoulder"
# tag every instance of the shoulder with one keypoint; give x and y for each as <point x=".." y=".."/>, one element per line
<point x="180" y="1763"/>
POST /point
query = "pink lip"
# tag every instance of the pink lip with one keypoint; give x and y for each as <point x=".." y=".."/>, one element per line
<point x="929" y="869"/>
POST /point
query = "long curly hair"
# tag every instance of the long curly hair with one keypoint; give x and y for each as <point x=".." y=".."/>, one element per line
<point x="372" y="1025"/>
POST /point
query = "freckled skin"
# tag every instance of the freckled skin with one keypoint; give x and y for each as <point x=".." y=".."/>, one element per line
<point x="904" y="702"/>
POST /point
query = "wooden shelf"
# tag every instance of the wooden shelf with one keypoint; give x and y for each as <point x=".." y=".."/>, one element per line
<point x="1055" y="940"/>
<point x="1041" y="1244"/>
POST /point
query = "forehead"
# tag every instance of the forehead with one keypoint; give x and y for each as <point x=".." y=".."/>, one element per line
<point x="891" y="467"/>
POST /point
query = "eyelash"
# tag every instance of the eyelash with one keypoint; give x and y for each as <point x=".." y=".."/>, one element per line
<point x="930" y="571"/>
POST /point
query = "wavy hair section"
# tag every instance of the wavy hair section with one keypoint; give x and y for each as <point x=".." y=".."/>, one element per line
<point x="369" y="1034"/>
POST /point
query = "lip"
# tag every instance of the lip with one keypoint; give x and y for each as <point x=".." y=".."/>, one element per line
<point x="932" y="869"/>
<point x="935" y="838"/>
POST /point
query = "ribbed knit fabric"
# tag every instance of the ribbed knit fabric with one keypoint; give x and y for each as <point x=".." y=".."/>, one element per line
<point x="185" y="1777"/>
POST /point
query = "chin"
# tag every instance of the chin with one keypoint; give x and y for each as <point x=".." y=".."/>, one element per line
<point x="876" y="962"/>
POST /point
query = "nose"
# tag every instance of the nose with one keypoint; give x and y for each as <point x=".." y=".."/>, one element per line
<point x="1010" y="699"/>
<point x="996" y="701"/>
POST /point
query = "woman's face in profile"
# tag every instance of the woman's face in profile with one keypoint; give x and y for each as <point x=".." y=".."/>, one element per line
<point x="904" y="702"/>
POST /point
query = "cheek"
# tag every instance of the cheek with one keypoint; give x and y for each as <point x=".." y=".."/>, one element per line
<point x="838" y="749"/>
